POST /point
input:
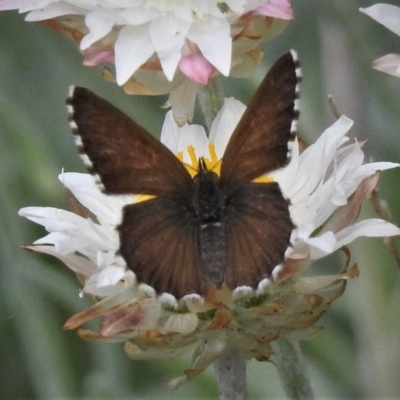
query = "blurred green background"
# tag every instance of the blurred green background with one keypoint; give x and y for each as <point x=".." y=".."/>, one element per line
<point x="357" y="355"/>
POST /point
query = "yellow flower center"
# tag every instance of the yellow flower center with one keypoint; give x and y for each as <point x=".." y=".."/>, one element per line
<point x="213" y="163"/>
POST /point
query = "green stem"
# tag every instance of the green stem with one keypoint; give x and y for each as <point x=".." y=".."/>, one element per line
<point x="292" y="369"/>
<point x="230" y="370"/>
<point x="211" y="100"/>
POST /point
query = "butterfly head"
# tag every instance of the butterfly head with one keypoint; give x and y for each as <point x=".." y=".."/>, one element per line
<point x="204" y="174"/>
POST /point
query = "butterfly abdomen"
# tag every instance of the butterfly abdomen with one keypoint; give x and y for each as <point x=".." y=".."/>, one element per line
<point x="208" y="205"/>
<point x="212" y="243"/>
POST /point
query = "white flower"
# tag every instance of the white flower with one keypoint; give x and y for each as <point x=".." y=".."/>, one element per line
<point x="173" y="30"/>
<point x="389" y="16"/>
<point x="325" y="184"/>
<point x="165" y="46"/>
<point x="96" y="242"/>
<point x="317" y="196"/>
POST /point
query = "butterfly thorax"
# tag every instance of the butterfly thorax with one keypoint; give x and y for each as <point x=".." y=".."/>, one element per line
<point x="207" y="197"/>
<point x="208" y="206"/>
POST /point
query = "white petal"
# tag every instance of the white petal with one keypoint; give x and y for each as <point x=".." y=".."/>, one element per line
<point x="322" y="245"/>
<point x="193" y="136"/>
<point x="132" y="49"/>
<point x="212" y="36"/>
<point x="52" y="11"/>
<point x="78" y="264"/>
<point x="373" y="227"/>
<point x="389" y="64"/>
<point x="136" y="14"/>
<point x="107" y="208"/>
<point x="69" y="231"/>
<point x="315" y="159"/>
<point x="304" y="230"/>
<point x="225" y="123"/>
<point x="170" y="133"/>
<point x="109" y="282"/>
<point x="25" y="6"/>
<point x="179" y="139"/>
<point x="386" y="14"/>
<point x="305" y="186"/>
<point x="355" y="177"/>
<point x="168" y="36"/>
<point x="110" y="275"/>
<point x="53" y="219"/>
<point x="63" y="243"/>
<point x="11" y="4"/>
<point x="100" y="23"/>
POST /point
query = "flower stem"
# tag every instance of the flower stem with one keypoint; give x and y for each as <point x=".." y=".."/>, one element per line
<point x="292" y="370"/>
<point x="211" y="100"/>
<point x="230" y="370"/>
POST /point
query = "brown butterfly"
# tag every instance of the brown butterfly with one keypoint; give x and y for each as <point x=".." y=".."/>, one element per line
<point x="206" y="230"/>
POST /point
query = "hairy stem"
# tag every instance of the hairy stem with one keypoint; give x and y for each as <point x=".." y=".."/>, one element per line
<point x="292" y="369"/>
<point x="230" y="370"/>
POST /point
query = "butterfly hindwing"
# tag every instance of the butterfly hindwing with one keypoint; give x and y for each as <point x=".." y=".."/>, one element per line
<point x="261" y="141"/>
<point x="258" y="229"/>
<point x="123" y="154"/>
<point x="159" y="242"/>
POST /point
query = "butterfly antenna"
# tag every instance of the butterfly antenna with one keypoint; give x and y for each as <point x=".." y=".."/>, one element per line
<point x="202" y="165"/>
<point x="189" y="166"/>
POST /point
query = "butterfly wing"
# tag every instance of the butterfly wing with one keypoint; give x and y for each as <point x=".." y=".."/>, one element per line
<point x="124" y="155"/>
<point x="258" y="228"/>
<point x="261" y="140"/>
<point x="159" y="242"/>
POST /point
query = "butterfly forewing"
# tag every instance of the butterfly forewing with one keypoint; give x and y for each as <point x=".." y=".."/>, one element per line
<point x="261" y="141"/>
<point x="258" y="228"/>
<point x="124" y="155"/>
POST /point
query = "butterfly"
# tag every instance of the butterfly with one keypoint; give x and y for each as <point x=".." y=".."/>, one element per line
<point x="210" y="230"/>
